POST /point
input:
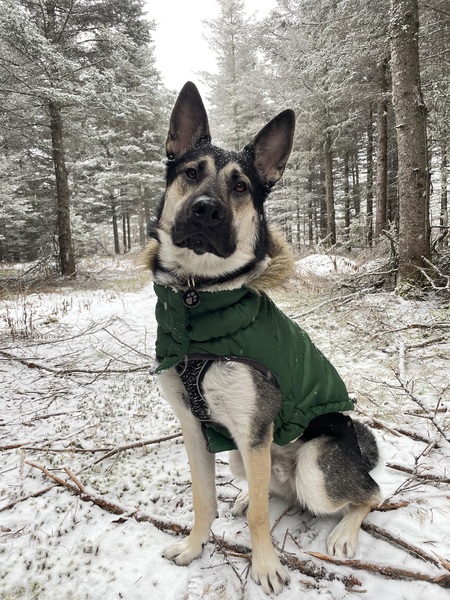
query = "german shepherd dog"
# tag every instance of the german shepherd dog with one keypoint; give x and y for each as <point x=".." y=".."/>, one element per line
<point x="210" y="239"/>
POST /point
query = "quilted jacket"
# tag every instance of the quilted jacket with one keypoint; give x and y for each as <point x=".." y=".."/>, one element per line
<point x="248" y="324"/>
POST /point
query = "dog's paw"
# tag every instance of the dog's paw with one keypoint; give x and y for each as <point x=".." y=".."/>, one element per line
<point x="270" y="574"/>
<point x="240" y="504"/>
<point x="342" y="542"/>
<point x="184" y="552"/>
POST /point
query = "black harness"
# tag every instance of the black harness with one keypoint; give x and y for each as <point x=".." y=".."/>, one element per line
<point x="192" y="370"/>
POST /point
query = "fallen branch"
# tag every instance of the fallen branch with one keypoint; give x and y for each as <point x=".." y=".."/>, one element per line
<point x="291" y="561"/>
<point x="13" y="503"/>
<point x="109" y="451"/>
<point x="394" y="430"/>
<point x="137" y="445"/>
<point x="424" y="476"/>
<point x="340" y="299"/>
<point x="426" y="410"/>
<point x="442" y="579"/>
<point x="390" y="537"/>
<point x="306" y="567"/>
<point x="108" y="504"/>
<point x="388" y="506"/>
<point x="32" y="364"/>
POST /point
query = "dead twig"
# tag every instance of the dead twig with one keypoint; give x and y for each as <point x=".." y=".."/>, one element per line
<point x="396" y="541"/>
<point x="137" y="445"/>
<point x="388" y="506"/>
<point x="426" y="410"/>
<point x="423" y="476"/>
<point x="13" y="503"/>
<point x="32" y="364"/>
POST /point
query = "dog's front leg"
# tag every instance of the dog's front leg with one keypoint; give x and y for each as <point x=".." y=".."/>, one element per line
<point x="202" y="466"/>
<point x="266" y="566"/>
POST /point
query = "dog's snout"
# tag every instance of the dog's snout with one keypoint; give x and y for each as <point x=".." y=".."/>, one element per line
<point x="208" y="210"/>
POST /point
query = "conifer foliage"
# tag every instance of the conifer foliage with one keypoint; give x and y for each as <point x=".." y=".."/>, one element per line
<point x="80" y="96"/>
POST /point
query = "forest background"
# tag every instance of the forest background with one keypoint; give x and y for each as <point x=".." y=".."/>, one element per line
<point x="85" y="112"/>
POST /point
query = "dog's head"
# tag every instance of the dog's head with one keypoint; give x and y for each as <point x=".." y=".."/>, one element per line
<point x="211" y="224"/>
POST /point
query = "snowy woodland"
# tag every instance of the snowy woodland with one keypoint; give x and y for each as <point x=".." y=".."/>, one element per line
<point x="94" y="479"/>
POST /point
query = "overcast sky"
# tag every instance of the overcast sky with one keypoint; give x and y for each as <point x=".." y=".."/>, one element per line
<point x="181" y="51"/>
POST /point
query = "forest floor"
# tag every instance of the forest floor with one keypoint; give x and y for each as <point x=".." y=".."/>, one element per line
<point x="94" y="480"/>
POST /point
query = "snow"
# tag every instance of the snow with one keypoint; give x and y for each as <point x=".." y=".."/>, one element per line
<point x="84" y="388"/>
<point x="324" y="264"/>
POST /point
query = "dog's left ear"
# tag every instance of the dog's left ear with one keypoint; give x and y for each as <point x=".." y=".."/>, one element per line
<point x="272" y="146"/>
<point x="188" y="123"/>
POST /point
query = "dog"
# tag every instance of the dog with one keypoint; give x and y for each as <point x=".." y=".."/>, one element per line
<point x="239" y="374"/>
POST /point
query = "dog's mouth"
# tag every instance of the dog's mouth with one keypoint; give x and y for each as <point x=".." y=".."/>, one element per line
<point x="205" y="225"/>
<point x="197" y="243"/>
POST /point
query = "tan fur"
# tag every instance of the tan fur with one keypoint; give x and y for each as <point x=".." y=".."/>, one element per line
<point x="266" y="566"/>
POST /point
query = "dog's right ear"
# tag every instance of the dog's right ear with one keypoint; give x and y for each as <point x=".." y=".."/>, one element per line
<point x="188" y="124"/>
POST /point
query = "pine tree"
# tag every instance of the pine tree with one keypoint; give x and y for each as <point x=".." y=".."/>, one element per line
<point x="236" y="113"/>
<point x="410" y="116"/>
<point x="62" y="60"/>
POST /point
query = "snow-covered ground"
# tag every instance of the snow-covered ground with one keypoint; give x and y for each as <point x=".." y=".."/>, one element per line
<point x="75" y="387"/>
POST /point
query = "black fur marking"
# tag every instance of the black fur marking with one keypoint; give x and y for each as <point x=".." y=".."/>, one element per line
<point x="201" y="282"/>
<point x="221" y="158"/>
<point x="267" y="409"/>
<point x="334" y="425"/>
<point x="336" y="456"/>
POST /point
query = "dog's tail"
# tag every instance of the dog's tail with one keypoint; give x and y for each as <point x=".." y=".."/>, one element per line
<point x="368" y="445"/>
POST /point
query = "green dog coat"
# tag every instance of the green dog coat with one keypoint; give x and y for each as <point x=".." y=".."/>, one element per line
<point x="246" y="324"/>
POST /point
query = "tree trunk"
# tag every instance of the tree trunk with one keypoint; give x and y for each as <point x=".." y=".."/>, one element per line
<point x="115" y="228"/>
<point x="410" y="117"/>
<point x="382" y="158"/>
<point x="309" y="190"/>
<point x="346" y="197"/>
<point x="124" y="230"/>
<point x="369" y="190"/>
<point x="356" y="191"/>
<point x="323" y="206"/>
<point x="66" y="254"/>
<point x="443" y="220"/>
<point x="329" y="192"/>
<point x="128" y="232"/>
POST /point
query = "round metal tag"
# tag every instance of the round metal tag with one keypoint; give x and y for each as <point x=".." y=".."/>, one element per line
<point x="191" y="298"/>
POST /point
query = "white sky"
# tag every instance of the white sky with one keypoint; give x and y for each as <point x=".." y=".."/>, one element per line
<point x="181" y="51"/>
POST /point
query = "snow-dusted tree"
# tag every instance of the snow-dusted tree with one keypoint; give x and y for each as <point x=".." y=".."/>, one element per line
<point x="410" y="116"/>
<point x="237" y="101"/>
<point x="63" y="57"/>
<point x="321" y="57"/>
<point x="434" y="40"/>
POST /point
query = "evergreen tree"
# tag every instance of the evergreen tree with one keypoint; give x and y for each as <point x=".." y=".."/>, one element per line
<point x="410" y="116"/>
<point x="73" y="65"/>
<point x="237" y="102"/>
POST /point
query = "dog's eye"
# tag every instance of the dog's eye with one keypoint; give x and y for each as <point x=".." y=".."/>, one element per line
<point x="240" y="187"/>
<point x="191" y="173"/>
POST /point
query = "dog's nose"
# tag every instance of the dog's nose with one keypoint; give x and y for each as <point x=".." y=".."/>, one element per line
<point x="207" y="210"/>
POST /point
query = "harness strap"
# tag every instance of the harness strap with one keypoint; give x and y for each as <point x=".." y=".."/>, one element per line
<point x="192" y="370"/>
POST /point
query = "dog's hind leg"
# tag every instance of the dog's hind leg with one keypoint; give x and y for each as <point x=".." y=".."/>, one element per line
<point x="331" y="478"/>
<point x="343" y="540"/>
<point x="202" y="467"/>
<point x="266" y="566"/>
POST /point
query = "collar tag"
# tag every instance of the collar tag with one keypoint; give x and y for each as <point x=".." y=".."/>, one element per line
<point x="191" y="298"/>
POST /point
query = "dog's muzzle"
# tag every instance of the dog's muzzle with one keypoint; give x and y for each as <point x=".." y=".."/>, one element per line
<point x="204" y="224"/>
